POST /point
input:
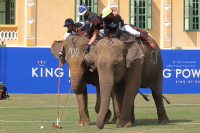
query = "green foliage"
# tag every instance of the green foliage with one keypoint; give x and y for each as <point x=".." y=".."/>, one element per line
<point x="33" y="111"/>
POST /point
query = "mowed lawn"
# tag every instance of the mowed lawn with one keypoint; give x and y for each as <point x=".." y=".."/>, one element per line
<point x="28" y="112"/>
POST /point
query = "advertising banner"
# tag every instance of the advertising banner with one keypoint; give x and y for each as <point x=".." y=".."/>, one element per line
<point x="32" y="70"/>
<point x="36" y="71"/>
<point x="181" y="71"/>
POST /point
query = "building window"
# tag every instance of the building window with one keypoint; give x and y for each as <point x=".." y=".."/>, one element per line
<point x="7" y="12"/>
<point x="141" y="13"/>
<point x="92" y="7"/>
<point x="191" y="15"/>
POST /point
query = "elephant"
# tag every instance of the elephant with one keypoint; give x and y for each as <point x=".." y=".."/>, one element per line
<point x="123" y="68"/>
<point x="80" y="74"/>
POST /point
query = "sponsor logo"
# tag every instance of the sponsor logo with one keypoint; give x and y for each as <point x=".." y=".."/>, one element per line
<point x="182" y="72"/>
<point x="41" y="63"/>
<point x="185" y="73"/>
<point x="41" y="71"/>
<point x="112" y="25"/>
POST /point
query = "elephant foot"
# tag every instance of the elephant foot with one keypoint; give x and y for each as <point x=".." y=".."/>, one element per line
<point x="108" y="116"/>
<point x="163" y="120"/>
<point x="83" y="123"/>
<point x="120" y="124"/>
<point x="115" y="120"/>
<point x="133" y="121"/>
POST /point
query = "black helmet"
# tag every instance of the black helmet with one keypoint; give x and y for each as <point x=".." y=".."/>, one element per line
<point x="68" y="22"/>
<point x="91" y="17"/>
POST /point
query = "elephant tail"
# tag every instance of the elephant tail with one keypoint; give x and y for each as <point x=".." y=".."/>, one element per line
<point x="166" y="99"/>
<point x="144" y="96"/>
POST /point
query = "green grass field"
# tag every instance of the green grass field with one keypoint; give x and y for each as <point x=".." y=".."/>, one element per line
<point x="27" y="112"/>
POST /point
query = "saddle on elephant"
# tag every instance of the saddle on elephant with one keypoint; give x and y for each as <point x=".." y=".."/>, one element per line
<point x="134" y="32"/>
<point x="126" y="37"/>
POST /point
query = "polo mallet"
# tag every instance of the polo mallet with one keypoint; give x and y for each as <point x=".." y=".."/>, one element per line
<point x="57" y="126"/>
<point x="58" y="118"/>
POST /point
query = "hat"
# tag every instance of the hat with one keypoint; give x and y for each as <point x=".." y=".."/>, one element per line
<point x="1" y="83"/>
<point x="92" y="17"/>
<point x="68" y="22"/>
<point x="83" y="9"/>
<point x="106" y="12"/>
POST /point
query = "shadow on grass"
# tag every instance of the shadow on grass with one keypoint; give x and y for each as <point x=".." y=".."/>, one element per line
<point x="150" y="122"/>
<point x="94" y="123"/>
<point x="141" y="122"/>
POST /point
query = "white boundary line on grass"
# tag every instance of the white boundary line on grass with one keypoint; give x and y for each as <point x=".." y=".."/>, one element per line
<point x="93" y="106"/>
<point x="36" y="121"/>
<point x="76" y="122"/>
<point x="187" y="123"/>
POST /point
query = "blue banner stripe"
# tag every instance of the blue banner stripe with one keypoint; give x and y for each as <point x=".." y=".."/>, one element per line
<point x="35" y="71"/>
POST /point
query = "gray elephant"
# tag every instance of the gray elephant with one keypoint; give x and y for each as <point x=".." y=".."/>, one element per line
<point x="123" y="68"/>
<point x="80" y="74"/>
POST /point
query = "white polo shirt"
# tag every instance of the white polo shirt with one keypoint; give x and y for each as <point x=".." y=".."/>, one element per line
<point x="68" y="34"/>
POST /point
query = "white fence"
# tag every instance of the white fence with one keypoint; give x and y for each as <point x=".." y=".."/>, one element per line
<point x="8" y="35"/>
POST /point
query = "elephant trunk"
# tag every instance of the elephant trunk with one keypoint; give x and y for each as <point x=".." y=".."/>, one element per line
<point x="106" y="85"/>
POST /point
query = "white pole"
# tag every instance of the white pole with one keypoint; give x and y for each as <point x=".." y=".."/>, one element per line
<point x="25" y="22"/>
<point x="161" y="24"/>
<point x="35" y="17"/>
<point x="108" y="3"/>
<point x="171" y="24"/>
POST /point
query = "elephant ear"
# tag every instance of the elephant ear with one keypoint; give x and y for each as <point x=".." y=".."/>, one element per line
<point x="134" y="52"/>
<point x="55" y="48"/>
<point x="90" y="58"/>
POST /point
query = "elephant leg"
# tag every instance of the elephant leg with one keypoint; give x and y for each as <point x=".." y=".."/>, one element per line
<point x="127" y="111"/>
<point x="117" y="97"/>
<point x="114" y="119"/>
<point x="97" y="106"/>
<point x="132" y="84"/>
<point x="157" y="95"/>
<point x="133" y="115"/>
<point x="83" y="108"/>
